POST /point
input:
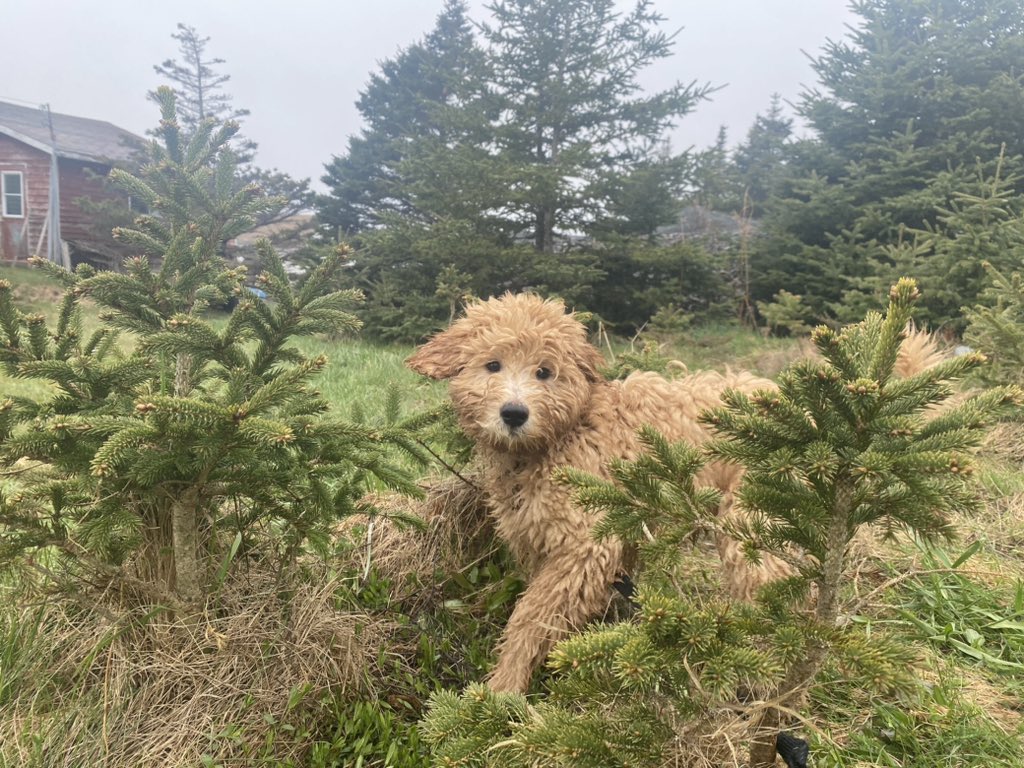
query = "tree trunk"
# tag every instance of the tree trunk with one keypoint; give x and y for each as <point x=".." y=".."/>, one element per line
<point x="549" y="231"/>
<point x="794" y="685"/>
<point x="189" y="577"/>
<point x="544" y="231"/>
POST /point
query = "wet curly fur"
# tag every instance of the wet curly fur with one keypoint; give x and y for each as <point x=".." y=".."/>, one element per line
<point x="525" y="384"/>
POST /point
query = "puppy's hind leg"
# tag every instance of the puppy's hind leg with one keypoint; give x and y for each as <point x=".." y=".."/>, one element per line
<point x="566" y="592"/>
<point x="741" y="577"/>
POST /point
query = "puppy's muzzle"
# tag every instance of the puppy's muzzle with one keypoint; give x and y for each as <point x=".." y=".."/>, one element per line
<point x="514" y="414"/>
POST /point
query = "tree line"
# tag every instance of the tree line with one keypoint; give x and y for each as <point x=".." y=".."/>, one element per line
<point x="520" y="152"/>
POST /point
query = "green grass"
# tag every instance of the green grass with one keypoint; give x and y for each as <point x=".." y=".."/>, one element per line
<point x="33" y="289"/>
<point x="718" y="346"/>
<point x="975" y="624"/>
<point x="359" y="374"/>
<point x="941" y="728"/>
<point x="357" y="378"/>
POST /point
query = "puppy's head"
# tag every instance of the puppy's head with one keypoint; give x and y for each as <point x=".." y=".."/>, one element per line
<point x="520" y="371"/>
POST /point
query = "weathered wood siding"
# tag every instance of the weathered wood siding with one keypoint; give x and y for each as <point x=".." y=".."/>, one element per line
<point x="20" y="236"/>
<point x="77" y="180"/>
<point x="24" y="237"/>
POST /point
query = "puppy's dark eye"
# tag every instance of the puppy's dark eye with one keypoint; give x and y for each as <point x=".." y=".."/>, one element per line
<point x="544" y="373"/>
<point x="494" y="366"/>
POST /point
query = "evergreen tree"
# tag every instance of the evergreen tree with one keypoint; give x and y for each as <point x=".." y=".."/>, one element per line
<point x="640" y="278"/>
<point x="150" y="465"/>
<point x="907" y="104"/>
<point x="565" y="73"/>
<point x="410" y="272"/>
<point x="646" y="196"/>
<point x="841" y="444"/>
<point x="199" y="89"/>
<point x="759" y="162"/>
<point x="945" y="69"/>
<point x="463" y="146"/>
<point x="294" y="195"/>
<point x="997" y="326"/>
<point x="714" y="182"/>
<point x="981" y="224"/>
<point x="417" y="106"/>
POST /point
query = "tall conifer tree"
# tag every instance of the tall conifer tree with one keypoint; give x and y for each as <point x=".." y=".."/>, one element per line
<point x="416" y="97"/>
<point x="198" y="85"/>
<point x="759" y="162"/>
<point x="907" y="104"/>
<point x="200" y="91"/>
<point x="566" y="73"/>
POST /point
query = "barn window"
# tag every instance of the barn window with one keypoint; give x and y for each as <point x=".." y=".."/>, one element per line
<point x="13" y="194"/>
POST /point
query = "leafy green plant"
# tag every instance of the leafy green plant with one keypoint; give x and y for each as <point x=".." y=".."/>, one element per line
<point x="959" y="615"/>
<point x="937" y="727"/>
<point x="369" y="734"/>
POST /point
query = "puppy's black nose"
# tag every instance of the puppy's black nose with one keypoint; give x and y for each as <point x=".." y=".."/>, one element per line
<point x="514" y="414"/>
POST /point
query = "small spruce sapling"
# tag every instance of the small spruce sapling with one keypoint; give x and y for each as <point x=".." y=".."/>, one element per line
<point x="996" y="326"/>
<point x="844" y="444"/>
<point x="152" y="462"/>
<point x="631" y="693"/>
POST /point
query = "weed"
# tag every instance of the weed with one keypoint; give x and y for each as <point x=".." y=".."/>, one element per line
<point x="959" y="615"/>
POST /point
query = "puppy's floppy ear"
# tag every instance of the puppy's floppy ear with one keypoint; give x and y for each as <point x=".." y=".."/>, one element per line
<point x="443" y="355"/>
<point x="589" y="360"/>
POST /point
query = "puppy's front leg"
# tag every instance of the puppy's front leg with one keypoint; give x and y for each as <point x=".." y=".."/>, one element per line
<point x="566" y="592"/>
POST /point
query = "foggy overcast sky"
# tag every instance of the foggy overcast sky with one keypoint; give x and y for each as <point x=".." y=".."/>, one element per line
<point x="298" y="66"/>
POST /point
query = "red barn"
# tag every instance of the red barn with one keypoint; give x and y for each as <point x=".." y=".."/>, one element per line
<point x="34" y="142"/>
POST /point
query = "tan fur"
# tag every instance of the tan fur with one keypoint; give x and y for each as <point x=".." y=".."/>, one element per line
<point x="918" y="352"/>
<point x="576" y="419"/>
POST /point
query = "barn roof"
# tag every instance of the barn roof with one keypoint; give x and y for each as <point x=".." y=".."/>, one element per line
<point x="77" y="138"/>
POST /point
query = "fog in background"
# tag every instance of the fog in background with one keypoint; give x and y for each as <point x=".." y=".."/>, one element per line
<point x="298" y="67"/>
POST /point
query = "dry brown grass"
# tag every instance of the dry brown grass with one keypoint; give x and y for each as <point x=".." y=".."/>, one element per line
<point x="457" y="532"/>
<point x="773" y="361"/>
<point x="102" y="684"/>
<point x="164" y="693"/>
<point x="721" y="739"/>
<point x="1005" y="443"/>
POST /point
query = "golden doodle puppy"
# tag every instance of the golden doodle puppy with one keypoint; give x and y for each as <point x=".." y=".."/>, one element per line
<point x="525" y="384"/>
